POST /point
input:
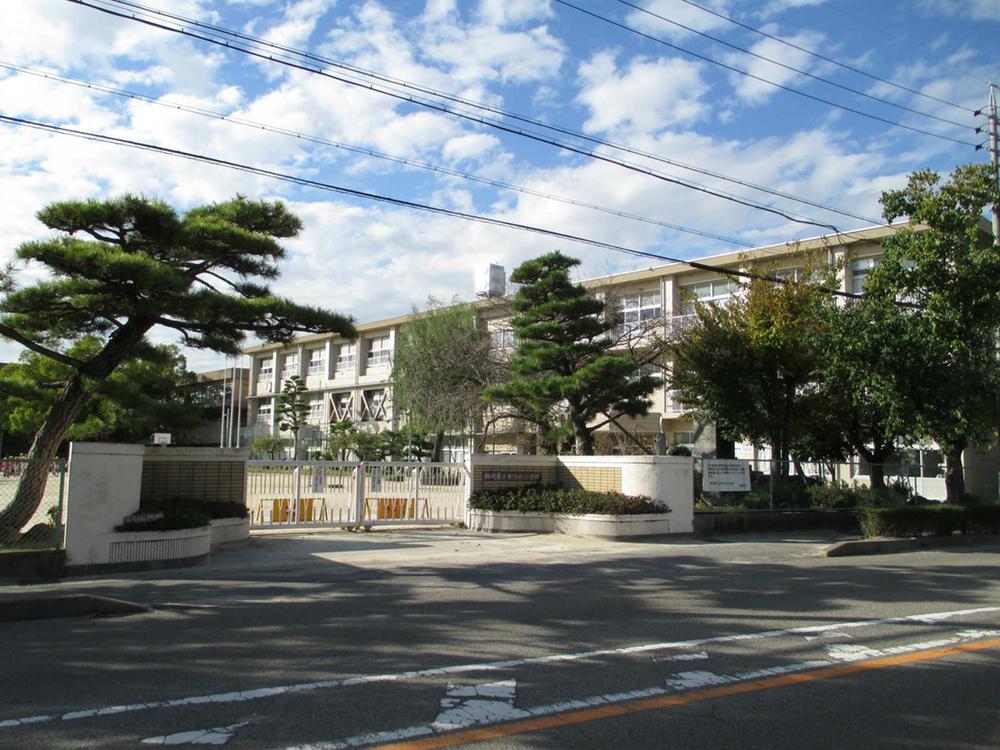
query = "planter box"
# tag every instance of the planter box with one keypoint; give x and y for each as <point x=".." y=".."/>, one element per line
<point x="599" y="525"/>
<point x="159" y="546"/>
<point x="229" y="532"/>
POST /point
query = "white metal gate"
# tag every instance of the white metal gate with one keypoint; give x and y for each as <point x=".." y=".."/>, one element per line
<point x="351" y="494"/>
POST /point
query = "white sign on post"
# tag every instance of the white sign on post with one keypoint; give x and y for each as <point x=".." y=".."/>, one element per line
<point x="725" y="475"/>
<point x="161" y="438"/>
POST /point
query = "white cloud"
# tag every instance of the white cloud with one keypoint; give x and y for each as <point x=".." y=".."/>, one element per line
<point x="648" y="95"/>
<point x="513" y="12"/>
<point x="680" y="12"/>
<point x="977" y="10"/>
<point x="753" y="91"/>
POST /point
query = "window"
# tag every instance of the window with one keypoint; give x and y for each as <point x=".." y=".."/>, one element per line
<point x="266" y="368"/>
<point x="378" y="351"/>
<point x="705" y="292"/>
<point x="341" y="405"/>
<point x="503" y="339"/>
<point x="860" y="269"/>
<point x="346" y="355"/>
<point x="291" y="366"/>
<point x="315" y="413"/>
<point x="684" y="438"/>
<point x="640" y="307"/>
<point x="317" y="361"/>
<point x="264" y="410"/>
<point x="673" y="403"/>
<point x="373" y="405"/>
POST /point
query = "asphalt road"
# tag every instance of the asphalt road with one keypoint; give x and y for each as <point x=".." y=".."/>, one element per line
<point x="426" y="639"/>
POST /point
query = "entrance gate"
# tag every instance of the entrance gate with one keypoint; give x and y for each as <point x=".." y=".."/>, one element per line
<point x="352" y="494"/>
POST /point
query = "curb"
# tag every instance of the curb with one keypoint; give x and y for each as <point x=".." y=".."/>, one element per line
<point x="889" y="546"/>
<point x="82" y="605"/>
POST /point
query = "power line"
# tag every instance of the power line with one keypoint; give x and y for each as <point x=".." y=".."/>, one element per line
<point x="467" y="116"/>
<point x="340" y="189"/>
<point x="209" y="114"/>
<point x="754" y="77"/>
<point x="792" y="68"/>
<point x="817" y="55"/>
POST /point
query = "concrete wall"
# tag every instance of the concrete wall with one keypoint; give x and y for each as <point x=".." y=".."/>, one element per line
<point x="101" y="489"/>
<point x="668" y="480"/>
<point x="107" y="481"/>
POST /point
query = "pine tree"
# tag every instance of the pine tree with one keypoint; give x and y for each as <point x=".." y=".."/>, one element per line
<point x="565" y="363"/>
<point x="122" y="267"/>
<point x="292" y="408"/>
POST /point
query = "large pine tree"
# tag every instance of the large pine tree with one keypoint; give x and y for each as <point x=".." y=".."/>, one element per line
<point x="119" y="268"/>
<point x="565" y="361"/>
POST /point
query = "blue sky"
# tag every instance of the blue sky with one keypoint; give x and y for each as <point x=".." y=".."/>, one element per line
<point x="541" y="59"/>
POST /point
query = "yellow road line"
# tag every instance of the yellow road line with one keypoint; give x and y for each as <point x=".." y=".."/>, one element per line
<point x="652" y="704"/>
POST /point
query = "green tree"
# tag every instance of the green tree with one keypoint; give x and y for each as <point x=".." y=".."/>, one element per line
<point x="869" y="362"/>
<point x="143" y="396"/>
<point x="292" y="410"/>
<point x="443" y="363"/>
<point x="267" y="445"/>
<point x="118" y="269"/>
<point x="565" y="367"/>
<point x="946" y="265"/>
<point x="751" y="365"/>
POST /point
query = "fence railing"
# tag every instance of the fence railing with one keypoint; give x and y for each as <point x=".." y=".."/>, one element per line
<point x="333" y="493"/>
<point x="42" y="527"/>
<point x="811" y="485"/>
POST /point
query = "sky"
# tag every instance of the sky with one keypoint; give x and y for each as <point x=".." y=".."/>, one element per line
<point x="676" y="128"/>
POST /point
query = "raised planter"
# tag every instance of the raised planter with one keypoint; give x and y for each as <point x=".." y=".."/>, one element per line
<point x="190" y="545"/>
<point x="591" y="524"/>
<point x="229" y="532"/>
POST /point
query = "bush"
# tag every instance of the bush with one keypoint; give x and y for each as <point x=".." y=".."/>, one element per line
<point x="558" y="500"/>
<point x="183" y="513"/>
<point x="929" y="520"/>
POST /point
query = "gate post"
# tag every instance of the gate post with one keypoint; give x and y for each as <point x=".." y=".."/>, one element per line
<point x="296" y="494"/>
<point x="359" y="493"/>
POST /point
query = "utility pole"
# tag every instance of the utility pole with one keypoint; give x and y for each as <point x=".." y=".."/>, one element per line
<point x="991" y="114"/>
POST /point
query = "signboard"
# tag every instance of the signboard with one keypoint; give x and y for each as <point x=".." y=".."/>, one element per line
<point x="532" y="477"/>
<point x="161" y="438"/>
<point x="319" y="479"/>
<point x="725" y="475"/>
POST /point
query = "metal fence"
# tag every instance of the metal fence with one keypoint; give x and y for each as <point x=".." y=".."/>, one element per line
<point x="808" y="485"/>
<point x="43" y="529"/>
<point x="349" y="494"/>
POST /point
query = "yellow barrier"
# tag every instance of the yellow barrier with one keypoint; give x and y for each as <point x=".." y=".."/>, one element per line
<point x="396" y="508"/>
<point x="281" y="506"/>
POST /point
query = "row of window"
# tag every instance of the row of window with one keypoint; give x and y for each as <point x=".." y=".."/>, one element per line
<point x="372" y="407"/>
<point x="634" y="308"/>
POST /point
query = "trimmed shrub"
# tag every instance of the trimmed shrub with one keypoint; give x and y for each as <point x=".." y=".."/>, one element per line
<point x="184" y="513"/>
<point x="559" y="500"/>
<point x="929" y="520"/>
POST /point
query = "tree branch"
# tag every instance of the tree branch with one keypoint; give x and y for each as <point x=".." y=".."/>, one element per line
<point x="15" y="335"/>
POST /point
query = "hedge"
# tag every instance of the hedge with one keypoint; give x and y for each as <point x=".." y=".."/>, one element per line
<point x="184" y="513"/>
<point x="929" y="520"/>
<point x="560" y="500"/>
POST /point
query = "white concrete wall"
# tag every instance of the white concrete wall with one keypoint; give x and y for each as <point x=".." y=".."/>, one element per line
<point x="102" y="488"/>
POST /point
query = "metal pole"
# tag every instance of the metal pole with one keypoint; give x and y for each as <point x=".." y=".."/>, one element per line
<point x="994" y="157"/>
<point x="222" y="416"/>
<point x="239" y="408"/>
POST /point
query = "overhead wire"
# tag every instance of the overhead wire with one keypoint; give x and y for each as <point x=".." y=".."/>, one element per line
<point x="99" y="5"/>
<point x="761" y="79"/>
<point x="792" y="68"/>
<point x="400" y="202"/>
<point x="813" y="53"/>
<point x="252" y="124"/>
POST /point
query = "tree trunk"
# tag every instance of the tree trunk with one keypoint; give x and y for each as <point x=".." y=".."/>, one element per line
<point x="31" y="487"/>
<point x="438" y="447"/>
<point x="583" y="438"/>
<point x="954" y="476"/>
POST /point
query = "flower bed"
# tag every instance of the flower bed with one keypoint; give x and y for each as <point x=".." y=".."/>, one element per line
<point x="567" y="511"/>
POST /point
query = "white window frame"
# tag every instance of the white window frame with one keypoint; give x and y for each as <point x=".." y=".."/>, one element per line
<point x="265" y="409"/>
<point x="379" y="351"/>
<point x="316" y="410"/>
<point x="503" y="339"/>
<point x="266" y="369"/>
<point x="860" y="270"/>
<point x="317" y="361"/>
<point x="346" y="358"/>
<point x="290" y="367"/>
<point x="344" y="410"/>
<point x="640" y="306"/>
<point x="719" y="291"/>
<point x="373" y="403"/>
